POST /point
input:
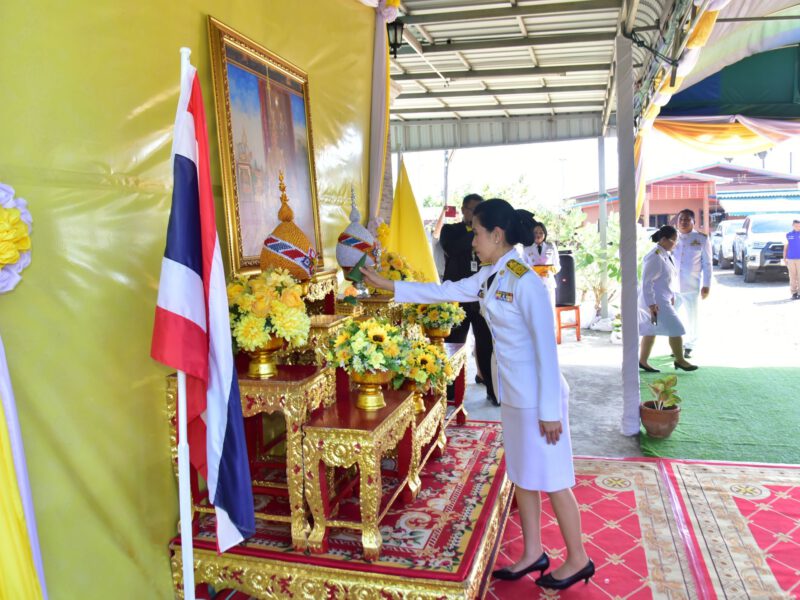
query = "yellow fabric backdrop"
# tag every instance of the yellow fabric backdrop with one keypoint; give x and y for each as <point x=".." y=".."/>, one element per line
<point x="88" y="102"/>
<point x="19" y="578"/>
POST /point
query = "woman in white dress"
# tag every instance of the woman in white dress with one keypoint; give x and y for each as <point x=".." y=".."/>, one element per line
<point x="532" y="392"/>
<point x="543" y="253"/>
<point x="657" y="314"/>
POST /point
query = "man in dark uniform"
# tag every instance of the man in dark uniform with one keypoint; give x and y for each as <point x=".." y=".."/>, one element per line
<point x="461" y="262"/>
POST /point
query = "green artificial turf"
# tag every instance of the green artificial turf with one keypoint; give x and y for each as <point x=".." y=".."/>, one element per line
<point x="743" y="415"/>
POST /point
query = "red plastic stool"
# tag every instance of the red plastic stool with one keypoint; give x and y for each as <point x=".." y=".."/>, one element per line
<point x="576" y="325"/>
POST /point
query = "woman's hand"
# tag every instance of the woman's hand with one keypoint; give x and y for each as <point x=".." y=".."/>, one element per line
<point x="654" y="314"/>
<point x="551" y="431"/>
<point x="376" y="281"/>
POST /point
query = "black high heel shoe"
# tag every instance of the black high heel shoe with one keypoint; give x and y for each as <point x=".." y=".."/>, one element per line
<point x="689" y="368"/>
<point x="551" y="583"/>
<point x="541" y="564"/>
<point x="648" y="369"/>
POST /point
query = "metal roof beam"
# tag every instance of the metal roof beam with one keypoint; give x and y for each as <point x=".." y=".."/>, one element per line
<point x="521" y="42"/>
<point x="501" y="73"/>
<point x="487" y="107"/>
<point x="545" y="89"/>
<point x="558" y="8"/>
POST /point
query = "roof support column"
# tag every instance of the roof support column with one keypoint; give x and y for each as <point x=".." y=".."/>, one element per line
<point x="603" y="223"/>
<point x="627" y="242"/>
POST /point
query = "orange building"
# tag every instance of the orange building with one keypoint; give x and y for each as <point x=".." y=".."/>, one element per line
<point x="704" y="190"/>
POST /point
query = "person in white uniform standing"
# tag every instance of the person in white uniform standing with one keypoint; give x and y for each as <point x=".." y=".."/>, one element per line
<point x="693" y="257"/>
<point x="657" y="293"/>
<point x="543" y="253"/>
<point x="532" y="392"/>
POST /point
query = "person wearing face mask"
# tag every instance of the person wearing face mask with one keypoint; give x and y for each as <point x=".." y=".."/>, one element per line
<point x="657" y="293"/>
<point x="544" y="255"/>
<point x="692" y="255"/>
<point x="533" y="394"/>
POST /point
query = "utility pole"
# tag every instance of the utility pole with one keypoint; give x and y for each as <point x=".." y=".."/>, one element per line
<point x="448" y="156"/>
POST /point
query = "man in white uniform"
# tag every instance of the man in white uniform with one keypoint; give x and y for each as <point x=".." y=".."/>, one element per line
<point x="693" y="257"/>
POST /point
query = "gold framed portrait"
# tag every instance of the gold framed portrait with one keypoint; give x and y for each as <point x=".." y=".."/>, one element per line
<point x="264" y="127"/>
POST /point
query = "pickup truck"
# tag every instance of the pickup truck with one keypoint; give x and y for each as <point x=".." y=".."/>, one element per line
<point x="758" y="245"/>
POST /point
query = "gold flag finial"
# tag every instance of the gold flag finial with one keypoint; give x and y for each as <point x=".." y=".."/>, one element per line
<point x="285" y="213"/>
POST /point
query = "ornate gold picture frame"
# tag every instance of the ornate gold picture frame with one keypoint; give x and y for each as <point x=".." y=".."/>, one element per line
<point x="264" y="126"/>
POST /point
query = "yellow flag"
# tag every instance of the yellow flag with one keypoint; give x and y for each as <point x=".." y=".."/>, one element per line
<point x="407" y="236"/>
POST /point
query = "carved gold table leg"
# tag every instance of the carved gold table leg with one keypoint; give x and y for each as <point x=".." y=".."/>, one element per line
<point x="371" y="492"/>
<point x="315" y="481"/>
<point x="294" y="476"/>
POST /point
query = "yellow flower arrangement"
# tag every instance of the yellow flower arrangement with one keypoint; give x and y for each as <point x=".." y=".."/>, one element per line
<point x="368" y="346"/>
<point x="425" y="364"/>
<point x="444" y="315"/>
<point x="396" y="267"/>
<point x="269" y="304"/>
<point x="14" y="236"/>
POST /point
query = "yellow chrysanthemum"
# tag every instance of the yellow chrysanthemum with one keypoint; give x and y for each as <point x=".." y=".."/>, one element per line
<point x="250" y="332"/>
<point x="391" y="349"/>
<point x="342" y="338"/>
<point x="292" y="324"/>
<point x="234" y="290"/>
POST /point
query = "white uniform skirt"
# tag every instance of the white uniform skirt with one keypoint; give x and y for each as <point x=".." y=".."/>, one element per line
<point x="668" y="321"/>
<point x="531" y="462"/>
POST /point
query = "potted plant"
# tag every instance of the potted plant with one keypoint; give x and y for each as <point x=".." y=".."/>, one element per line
<point x="436" y="319"/>
<point x="266" y="312"/>
<point x="372" y="352"/>
<point x="660" y="415"/>
<point x="426" y="365"/>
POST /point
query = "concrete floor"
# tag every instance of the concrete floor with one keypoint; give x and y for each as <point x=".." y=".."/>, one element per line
<point x="592" y="369"/>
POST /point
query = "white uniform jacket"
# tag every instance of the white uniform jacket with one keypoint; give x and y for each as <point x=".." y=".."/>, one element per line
<point x="548" y="256"/>
<point x="692" y="255"/>
<point x="659" y="286"/>
<point x="518" y="312"/>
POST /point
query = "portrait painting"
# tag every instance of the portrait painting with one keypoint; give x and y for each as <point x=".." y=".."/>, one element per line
<point x="264" y="130"/>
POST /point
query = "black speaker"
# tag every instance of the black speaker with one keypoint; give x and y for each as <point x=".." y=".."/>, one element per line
<point x="565" y="279"/>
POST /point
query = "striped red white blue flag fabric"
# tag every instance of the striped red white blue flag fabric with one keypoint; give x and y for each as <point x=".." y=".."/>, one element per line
<point x="192" y="332"/>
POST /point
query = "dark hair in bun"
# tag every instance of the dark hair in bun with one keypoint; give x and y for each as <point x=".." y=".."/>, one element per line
<point x="517" y="224"/>
<point x="666" y="231"/>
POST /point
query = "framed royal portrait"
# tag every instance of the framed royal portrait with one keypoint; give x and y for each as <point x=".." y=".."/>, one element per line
<point x="264" y="128"/>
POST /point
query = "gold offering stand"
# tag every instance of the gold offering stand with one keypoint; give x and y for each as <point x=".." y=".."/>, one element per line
<point x="384" y="307"/>
<point x="342" y="436"/>
<point x="457" y="355"/>
<point x="295" y="391"/>
<point x="320" y="292"/>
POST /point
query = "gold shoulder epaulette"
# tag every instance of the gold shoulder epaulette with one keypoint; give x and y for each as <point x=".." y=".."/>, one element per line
<point x="703" y="234"/>
<point x="517" y="268"/>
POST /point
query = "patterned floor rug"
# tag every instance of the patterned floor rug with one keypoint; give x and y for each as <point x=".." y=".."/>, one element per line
<point x="744" y="527"/>
<point x="439" y="537"/>
<point x="630" y="533"/>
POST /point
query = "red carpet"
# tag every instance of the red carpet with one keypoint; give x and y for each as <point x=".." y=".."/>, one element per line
<point x="744" y="527"/>
<point x="629" y="531"/>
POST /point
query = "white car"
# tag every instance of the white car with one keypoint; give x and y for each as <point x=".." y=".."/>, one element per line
<point x="722" y="242"/>
<point x="758" y="246"/>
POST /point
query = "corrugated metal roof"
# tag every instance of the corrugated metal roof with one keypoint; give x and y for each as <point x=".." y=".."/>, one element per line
<point x="509" y="61"/>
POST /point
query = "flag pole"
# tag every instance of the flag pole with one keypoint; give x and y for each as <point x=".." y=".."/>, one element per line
<point x="184" y="491"/>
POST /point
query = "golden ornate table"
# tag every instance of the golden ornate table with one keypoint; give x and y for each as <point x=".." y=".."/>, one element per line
<point x="295" y="392"/>
<point x="342" y="436"/>
<point x="457" y="354"/>
<point x="429" y="438"/>
<point x="383" y="307"/>
<point x="320" y="292"/>
<point x="323" y="328"/>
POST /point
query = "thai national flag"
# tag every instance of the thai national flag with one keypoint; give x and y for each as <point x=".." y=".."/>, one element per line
<point x="192" y="332"/>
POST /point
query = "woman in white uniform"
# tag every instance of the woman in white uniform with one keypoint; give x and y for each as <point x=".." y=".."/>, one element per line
<point x="532" y="392"/>
<point x="657" y="314"/>
<point x="541" y="253"/>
